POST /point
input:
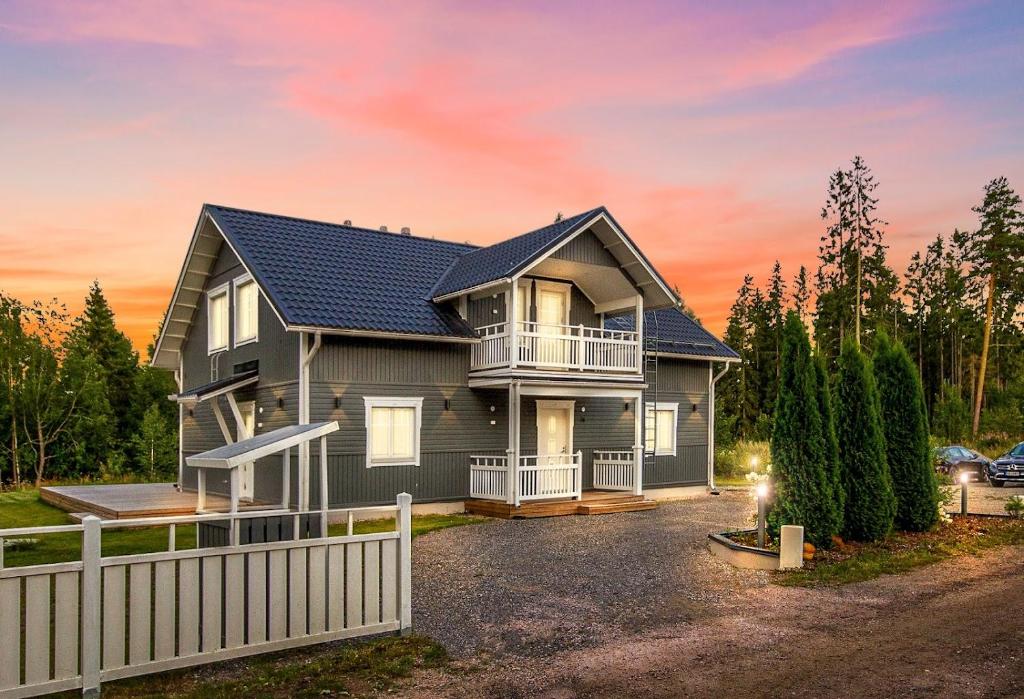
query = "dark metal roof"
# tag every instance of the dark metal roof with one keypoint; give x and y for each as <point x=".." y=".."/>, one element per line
<point x="221" y="385"/>
<point x="676" y="333"/>
<point x="324" y="275"/>
<point x="245" y="450"/>
<point x="504" y="259"/>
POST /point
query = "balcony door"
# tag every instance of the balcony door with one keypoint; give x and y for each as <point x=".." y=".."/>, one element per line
<point x="552" y="329"/>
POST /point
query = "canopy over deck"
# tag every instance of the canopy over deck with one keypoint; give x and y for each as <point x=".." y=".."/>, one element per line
<point x="216" y="388"/>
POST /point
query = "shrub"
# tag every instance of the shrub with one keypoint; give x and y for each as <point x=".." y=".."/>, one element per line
<point x="803" y="487"/>
<point x="951" y="418"/>
<point x="905" y="426"/>
<point x="1014" y="506"/>
<point x="828" y="427"/>
<point x="870" y="504"/>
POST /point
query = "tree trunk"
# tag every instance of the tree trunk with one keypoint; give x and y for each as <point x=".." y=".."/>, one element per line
<point x="979" y="393"/>
<point x="42" y="457"/>
<point x="14" y="451"/>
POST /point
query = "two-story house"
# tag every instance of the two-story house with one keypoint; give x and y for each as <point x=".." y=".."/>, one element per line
<point x="534" y="369"/>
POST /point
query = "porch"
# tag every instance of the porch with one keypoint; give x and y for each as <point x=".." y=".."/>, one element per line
<point x="591" y="502"/>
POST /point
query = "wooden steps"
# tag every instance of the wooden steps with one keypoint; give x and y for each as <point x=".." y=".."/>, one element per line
<point x="594" y="502"/>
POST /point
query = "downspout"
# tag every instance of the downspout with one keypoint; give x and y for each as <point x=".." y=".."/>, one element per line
<point x="711" y="428"/>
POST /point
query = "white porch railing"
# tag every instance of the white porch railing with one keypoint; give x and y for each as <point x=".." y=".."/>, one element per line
<point x="538" y="477"/>
<point x="557" y="347"/>
<point x="488" y="477"/>
<point x="72" y="625"/>
<point x="614" y="470"/>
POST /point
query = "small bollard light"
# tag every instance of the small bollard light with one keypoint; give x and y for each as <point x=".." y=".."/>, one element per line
<point x="964" y="480"/>
<point x="762" y="496"/>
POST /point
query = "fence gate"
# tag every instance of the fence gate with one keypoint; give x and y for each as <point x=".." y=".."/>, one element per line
<point x="74" y="625"/>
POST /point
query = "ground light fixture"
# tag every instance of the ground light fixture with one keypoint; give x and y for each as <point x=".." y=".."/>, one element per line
<point x="964" y="480"/>
<point x="762" y="497"/>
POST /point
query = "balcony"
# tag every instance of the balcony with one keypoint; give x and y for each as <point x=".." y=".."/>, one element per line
<point x="556" y="347"/>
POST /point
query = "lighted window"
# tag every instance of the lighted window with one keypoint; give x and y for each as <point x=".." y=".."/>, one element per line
<point x="217" y="318"/>
<point x="246" y="311"/>
<point x="393" y="431"/>
<point x="660" y="428"/>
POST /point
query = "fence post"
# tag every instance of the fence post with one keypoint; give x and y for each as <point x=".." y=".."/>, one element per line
<point x="91" y="596"/>
<point x="405" y="562"/>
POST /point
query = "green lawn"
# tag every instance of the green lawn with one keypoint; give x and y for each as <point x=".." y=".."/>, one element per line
<point x="23" y="508"/>
<point x="903" y="551"/>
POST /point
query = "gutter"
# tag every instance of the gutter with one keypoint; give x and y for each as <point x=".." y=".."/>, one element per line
<point x="711" y="427"/>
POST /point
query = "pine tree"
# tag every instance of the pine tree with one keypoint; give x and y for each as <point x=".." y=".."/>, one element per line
<point x="906" y="437"/>
<point x="734" y="391"/>
<point x="803" y="489"/>
<point x="801" y="294"/>
<point x="870" y="504"/>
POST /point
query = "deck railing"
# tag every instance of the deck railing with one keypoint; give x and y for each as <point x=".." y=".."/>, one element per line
<point x="547" y="346"/>
<point x="614" y="470"/>
<point x="72" y="625"/>
<point x="539" y="477"/>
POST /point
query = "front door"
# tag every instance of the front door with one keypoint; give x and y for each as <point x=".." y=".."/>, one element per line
<point x="554" y="431"/>
<point x="245" y="471"/>
<point x="552" y="323"/>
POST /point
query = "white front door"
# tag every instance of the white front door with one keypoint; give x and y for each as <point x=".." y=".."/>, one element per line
<point x="245" y="471"/>
<point x="554" y="431"/>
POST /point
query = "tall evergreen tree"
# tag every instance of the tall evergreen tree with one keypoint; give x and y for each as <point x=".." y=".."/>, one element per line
<point x="870" y="504"/>
<point x="828" y="429"/>
<point x="996" y="253"/>
<point x="801" y="294"/>
<point x="803" y="490"/>
<point x="906" y="437"/>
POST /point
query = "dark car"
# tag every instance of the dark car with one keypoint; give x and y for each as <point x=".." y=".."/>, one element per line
<point x="955" y="460"/>
<point x="1008" y="468"/>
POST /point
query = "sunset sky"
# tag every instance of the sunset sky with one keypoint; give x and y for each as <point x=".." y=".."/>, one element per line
<point x="708" y="130"/>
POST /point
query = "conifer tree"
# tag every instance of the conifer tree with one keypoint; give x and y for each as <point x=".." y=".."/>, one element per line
<point x="870" y="504"/>
<point x="906" y="437"/>
<point x="803" y="490"/>
<point x="828" y="428"/>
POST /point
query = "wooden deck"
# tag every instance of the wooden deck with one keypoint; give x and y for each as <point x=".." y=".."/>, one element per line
<point x="129" y="500"/>
<point x="594" y="502"/>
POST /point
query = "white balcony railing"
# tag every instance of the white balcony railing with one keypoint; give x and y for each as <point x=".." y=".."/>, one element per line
<point x="614" y="470"/>
<point x="568" y="347"/>
<point x="539" y="477"/>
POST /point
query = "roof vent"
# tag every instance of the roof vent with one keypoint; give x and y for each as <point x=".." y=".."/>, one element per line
<point x="406" y="231"/>
<point x="383" y="229"/>
<point x="347" y="222"/>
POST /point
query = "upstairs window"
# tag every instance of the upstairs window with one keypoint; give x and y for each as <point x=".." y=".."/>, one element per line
<point x="246" y="311"/>
<point x="660" y="428"/>
<point x="393" y="431"/>
<point x="217" y="318"/>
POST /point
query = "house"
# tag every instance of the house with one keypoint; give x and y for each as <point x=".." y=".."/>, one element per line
<point x="537" y="368"/>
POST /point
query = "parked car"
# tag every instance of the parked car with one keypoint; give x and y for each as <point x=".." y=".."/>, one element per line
<point x="1008" y="468"/>
<point x="955" y="460"/>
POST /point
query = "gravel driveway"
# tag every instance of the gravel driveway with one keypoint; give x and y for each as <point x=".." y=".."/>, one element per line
<point x="983" y="499"/>
<point x="533" y="587"/>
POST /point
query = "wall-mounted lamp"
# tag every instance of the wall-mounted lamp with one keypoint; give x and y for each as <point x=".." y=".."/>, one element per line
<point x="492" y="408"/>
<point x="625" y="407"/>
<point x="261" y="410"/>
<point x="191" y="412"/>
<point x="337" y="402"/>
<point x="280" y="403"/>
<point x="447" y="403"/>
<point x="583" y="409"/>
<point x="694" y="406"/>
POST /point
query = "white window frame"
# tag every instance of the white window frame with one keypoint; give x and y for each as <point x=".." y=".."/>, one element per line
<point x="211" y="294"/>
<point x="237" y="282"/>
<point x="371" y="402"/>
<point x="664" y="407"/>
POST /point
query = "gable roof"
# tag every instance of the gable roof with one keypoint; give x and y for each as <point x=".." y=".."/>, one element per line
<point x="504" y="259"/>
<point x="676" y="333"/>
<point x="325" y="275"/>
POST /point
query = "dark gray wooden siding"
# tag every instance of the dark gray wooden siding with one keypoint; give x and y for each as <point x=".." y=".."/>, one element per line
<point x="486" y="311"/>
<point x="586" y="248"/>
<point x="686" y="383"/>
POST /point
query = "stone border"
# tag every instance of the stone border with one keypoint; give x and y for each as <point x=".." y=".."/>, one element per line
<point x="740" y="555"/>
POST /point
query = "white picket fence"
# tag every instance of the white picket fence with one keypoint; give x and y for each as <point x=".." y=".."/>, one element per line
<point x="614" y="470"/>
<point x="74" y="625"/>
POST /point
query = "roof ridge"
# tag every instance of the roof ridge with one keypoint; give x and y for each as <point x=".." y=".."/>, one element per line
<point x="473" y="246"/>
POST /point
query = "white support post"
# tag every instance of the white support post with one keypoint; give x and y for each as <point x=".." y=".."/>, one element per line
<point x="578" y="471"/>
<point x="324" y="506"/>
<point x="233" y="537"/>
<point x="512" y="322"/>
<point x="405" y="562"/>
<point x="515" y="420"/>
<point x="200" y="489"/>
<point x="219" y="414"/>
<point x="638" y="444"/>
<point x="91" y="596"/>
<point x="639" y="327"/>
<point x="180" y="382"/>
<point x="171" y="538"/>
<point x="286" y="479"/>
<point x="580" y="349"/>
<point x="510" y="453"/>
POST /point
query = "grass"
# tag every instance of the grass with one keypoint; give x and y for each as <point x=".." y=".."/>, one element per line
<point x="347" y="668"/>
<point x="904" y="551"/>
<point x="23" y="508"/>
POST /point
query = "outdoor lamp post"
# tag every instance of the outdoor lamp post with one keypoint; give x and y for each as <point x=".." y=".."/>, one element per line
<point x="964" y="479"/>
<point x="762" y="496"/>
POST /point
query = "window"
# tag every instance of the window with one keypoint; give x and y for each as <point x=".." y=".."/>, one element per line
<point x="660" y="428"/>
<point x="217" y="318"/>
<point x="393" y="431"/>
<point x="246" y="311"/>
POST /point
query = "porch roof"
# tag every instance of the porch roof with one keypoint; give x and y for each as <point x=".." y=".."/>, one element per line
<point x="245" y="451"/>
<point x="216" y="388"/>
